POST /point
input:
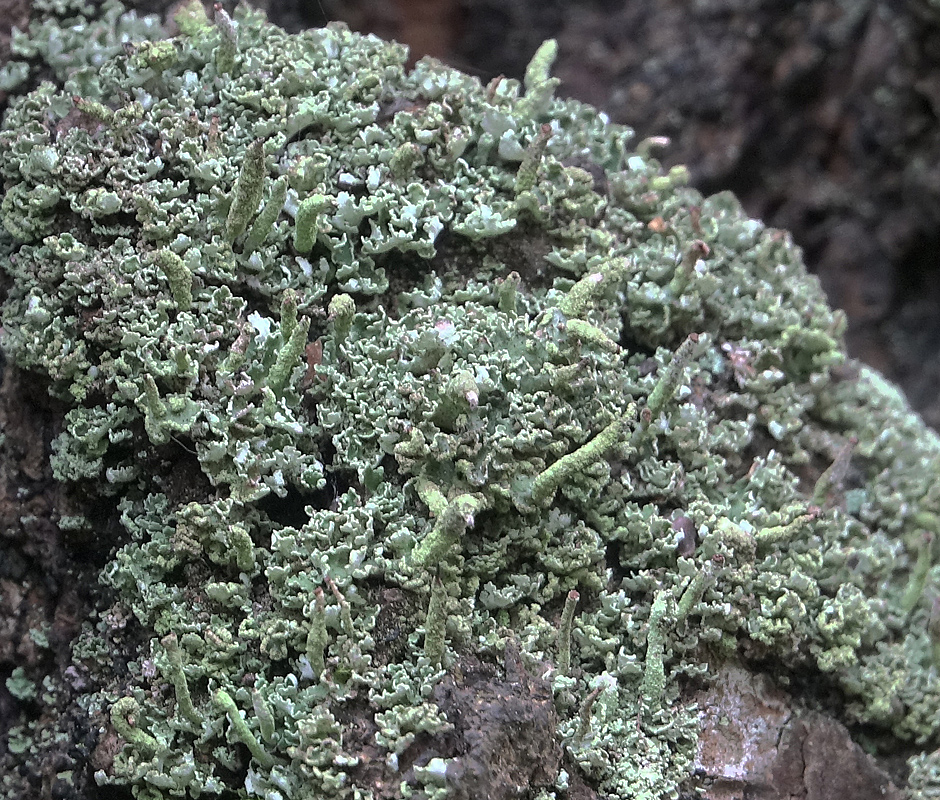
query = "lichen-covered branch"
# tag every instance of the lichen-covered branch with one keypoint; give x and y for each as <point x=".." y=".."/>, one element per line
<point x="341" y="348"/>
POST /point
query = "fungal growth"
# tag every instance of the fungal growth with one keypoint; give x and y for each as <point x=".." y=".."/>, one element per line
<point x="384" y="390"/>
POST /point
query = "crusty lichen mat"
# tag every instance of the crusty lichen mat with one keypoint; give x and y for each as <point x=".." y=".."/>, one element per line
<point x="406" y="389"/>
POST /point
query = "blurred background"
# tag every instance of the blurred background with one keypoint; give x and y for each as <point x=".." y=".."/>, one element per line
<point x="821" y="115"/>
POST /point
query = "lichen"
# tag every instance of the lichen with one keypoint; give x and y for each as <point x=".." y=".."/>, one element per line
<point x="327" y="330"/>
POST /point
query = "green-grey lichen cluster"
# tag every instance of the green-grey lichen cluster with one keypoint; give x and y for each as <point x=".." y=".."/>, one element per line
<point x="69" y="40"/>
<point x="324" y="327"/>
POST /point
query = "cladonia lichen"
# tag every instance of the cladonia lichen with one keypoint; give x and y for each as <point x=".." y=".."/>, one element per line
<point x="370" y="375"/>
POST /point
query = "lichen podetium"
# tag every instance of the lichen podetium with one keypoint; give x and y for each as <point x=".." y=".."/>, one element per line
<point x="318" y="344"/>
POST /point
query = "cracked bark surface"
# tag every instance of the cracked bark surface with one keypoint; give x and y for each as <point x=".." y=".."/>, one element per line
<point x="757" y="743"/>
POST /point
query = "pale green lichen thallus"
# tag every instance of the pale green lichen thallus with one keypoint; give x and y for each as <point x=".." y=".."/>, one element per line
<point x="365" y="373"/>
